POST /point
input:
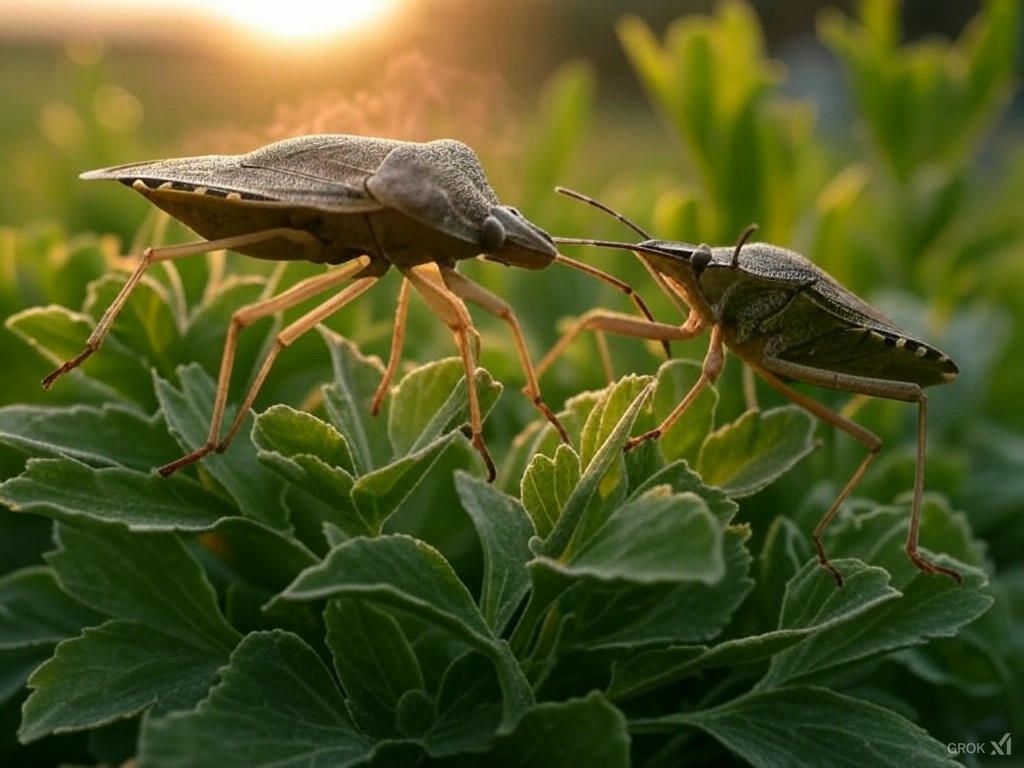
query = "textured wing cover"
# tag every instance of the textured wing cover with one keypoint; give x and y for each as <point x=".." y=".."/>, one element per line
<point x="326" y="171"/>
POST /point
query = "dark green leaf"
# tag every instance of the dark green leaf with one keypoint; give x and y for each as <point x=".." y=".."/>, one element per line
<point x="657" y="538"/>
<point x="379" y="493"/>
<point x="35" y="611"/>
<point x="276" y="705"/>
<point x="348" y="402"/>
<point x="505" y="531"/>
<point x="59" y="334"/>
<point x="431" y="401"/>
<point x="587" y="731"/>
<point x="406" y="573"/>
<point x="111" y="434"/>
<point x="680" y="478"/>
<point x="187" y="412"/>
<point x="113" y="671"/>
<point x="468" y="709"/>
<point x="70" y="491"/>
<point x="126" y="575"/>
<point x="312" y="455"/>
<point x="806" y="726"/>
<point x="743" y="457"/>
<point x="374" y="661"/>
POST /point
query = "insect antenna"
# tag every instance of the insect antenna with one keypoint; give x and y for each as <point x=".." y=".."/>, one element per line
<point x="654" y="273"/>
<point x="607" y="209"/>
<point x="744" y="236"/>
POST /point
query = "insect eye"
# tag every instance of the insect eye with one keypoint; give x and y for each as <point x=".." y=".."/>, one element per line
<point x="700" y="258"/>
<point x="492" y="235"/>
<point x="516" y="213"/>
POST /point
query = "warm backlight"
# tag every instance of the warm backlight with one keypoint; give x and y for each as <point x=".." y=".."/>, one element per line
<point x="303" y="20"/>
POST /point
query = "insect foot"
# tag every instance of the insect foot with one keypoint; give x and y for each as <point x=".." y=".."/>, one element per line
<point x="788" y="321"/>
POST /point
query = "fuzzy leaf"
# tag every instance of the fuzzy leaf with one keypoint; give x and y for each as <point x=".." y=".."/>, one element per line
<point x="276" y="705"/>
<point x="505" y="531"/>
<point x="374" y="661"/>
<point x="587" y="731"/>
<point x="431" y="401"/>
<point x="67" y="490"/>
<point x="406" y="573"/>
<point x="743" y="457"/>
<point x="807" y="726"/>
<point x="657" y="538"/>
<point x="681" y="479"/>
<point x="348" y="402"/>
<point x="114" y="671"/>
<point x="109" y="435"/>
<point x="187" y="412"/>
<point x="547" y="485"/>
<point x="34" y="610"/>
<point x="124" y="575"/>
<point x="59" y="334"/>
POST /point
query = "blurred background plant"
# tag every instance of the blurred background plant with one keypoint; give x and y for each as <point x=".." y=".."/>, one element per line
<point x="704" y="126"/>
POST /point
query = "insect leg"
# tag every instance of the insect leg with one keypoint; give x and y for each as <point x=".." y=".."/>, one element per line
<point x="712" y="367"/>
<point x="623" y="325"/>
<point x="466" y="289"/>
<point x="397" y="341"/>
<point x="877" y="388"/>
<point x="151" y="256"/>
<point x="453" y="313"/>
<point x="247" y="316"/>
<point x="621" y="285"/>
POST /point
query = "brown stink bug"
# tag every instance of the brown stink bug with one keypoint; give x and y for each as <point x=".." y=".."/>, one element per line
<point x="366" y="204"/>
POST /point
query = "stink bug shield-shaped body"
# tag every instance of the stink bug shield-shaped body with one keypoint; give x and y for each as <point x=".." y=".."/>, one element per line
<point x="366" y="204"/>
<point x="789" y="321"/>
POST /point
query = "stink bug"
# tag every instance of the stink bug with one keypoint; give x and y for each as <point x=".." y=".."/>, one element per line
<point x="788" y="321"/>
<point x="363" y="203"/>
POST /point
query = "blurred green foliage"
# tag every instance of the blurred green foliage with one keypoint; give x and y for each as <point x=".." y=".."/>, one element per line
<point x="921" y="216"/>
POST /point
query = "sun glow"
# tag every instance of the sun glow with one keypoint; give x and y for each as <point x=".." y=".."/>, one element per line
<point x="303" y="20"/>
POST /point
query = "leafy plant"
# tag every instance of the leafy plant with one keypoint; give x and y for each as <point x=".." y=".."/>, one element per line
<point x="339" y="589"/>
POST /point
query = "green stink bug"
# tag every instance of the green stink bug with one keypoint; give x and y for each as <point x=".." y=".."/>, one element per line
<point x="366" y="204"/>
<point x="787" y="320"/>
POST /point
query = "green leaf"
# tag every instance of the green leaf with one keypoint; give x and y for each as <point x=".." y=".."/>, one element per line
<point x="683" y="441"/>
<point x="378" y="494"/>
<point x="35" y="611"/>
<point x="348" y="402"/>
<point x="547" y="485"/>
<point x="431" y="401"/>
<point x="660" y="537"/>
<point x="67" y="490"/>
<point x="587" y="731"/>
<point x="602" y="460"/>
<point x="187" y="412"/>
<point x="374" y="661"/>
<point x="406" y="573"/>
<point x="743" y="457"/>
<point x="807" y="726"/>
<point x="59" y="334"/>
<point x="468" y="710"/>
<point x="681" y="479"/>
<point x="265" y="556"/>
<point x="929" y="606"/>
<point x="505" y="531"/>
<point x="812" y="604"/>
<point x="111" y="434"/>
<point x="659" y="614"/>
<point x="206" y="331"/>
<point x="276" y="705"/>
<point x="312" y="455"/>
<point x="146" y="326"/>
<point x="125" y="575"/>
<point x="294" y="434"/>
<point x="16" y="666"/>
<point x="114" y="671"/>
